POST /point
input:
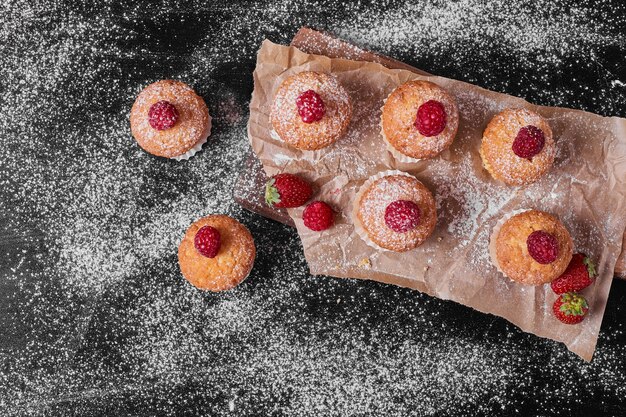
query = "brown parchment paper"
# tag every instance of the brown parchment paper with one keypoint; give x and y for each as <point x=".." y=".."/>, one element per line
<point x="585" y="189"/>
<point x="248" y="190"/>
<point x="620" y="267"/>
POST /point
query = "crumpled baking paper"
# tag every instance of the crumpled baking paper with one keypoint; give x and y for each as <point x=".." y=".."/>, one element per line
<point x="585" y="189"/>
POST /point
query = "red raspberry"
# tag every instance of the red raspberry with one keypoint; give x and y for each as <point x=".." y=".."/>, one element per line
<point x="207" y="241"/>
<point x="528" y="142"/>
<point x="318" y="216"/>
<point x="162" y="115"/>
<point x="542" y="247"/>
<point x="431" y="118"/>
<point x="402" y="216"/>
<point x="310" y="106"/>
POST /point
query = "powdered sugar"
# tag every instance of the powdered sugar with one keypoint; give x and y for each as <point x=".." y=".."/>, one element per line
<point x="90" y="222"/>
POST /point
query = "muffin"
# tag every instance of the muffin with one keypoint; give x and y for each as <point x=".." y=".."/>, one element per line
<point x="531" y="247"/>
<point x="217" y="253"/>
<point x="419" y="120"/>
<point x="311" y="110"/>
<point x="394" y="211"/>
<point x="517" y="147"/>
<point x="169" y="119"/>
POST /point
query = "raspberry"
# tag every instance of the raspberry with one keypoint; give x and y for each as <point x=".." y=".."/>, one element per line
<point x="431" y="118"/>
<point x="402" y="216"/>
<point x="542" y="247"/>
<point x="162" y="115"/>
<point x="310" y="106"/>
<point x="318" y="216"/>
<point x="528" y="142"/>
<point x="207" y="241"/>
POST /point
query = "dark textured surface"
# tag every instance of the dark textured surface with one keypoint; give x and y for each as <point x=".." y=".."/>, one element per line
<point x="95" y="318"/>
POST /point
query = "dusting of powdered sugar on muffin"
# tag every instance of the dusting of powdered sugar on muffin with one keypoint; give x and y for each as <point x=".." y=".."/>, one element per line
<point x="291" y="126"/>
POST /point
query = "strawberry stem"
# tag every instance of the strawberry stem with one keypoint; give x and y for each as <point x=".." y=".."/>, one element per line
<point x="591" y="268"/>
<point x="271" y="193"/>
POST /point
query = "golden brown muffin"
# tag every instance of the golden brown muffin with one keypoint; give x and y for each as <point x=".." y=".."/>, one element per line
<point x="532" y="262"/>
<point x="188" y="133"/>
<point x="290" y="124"/>
<point x="499" y="147"/>
<point x="397" y="212"/>
<point x="232" y="263"/>
<point x="410" y="103"/>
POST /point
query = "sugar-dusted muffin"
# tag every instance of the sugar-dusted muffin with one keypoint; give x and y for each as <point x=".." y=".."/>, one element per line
<point x="517" y="147"/>
<point x="311" y="110"/>
<point x="169" y="119"/>
<point x="217" y="253"/>
<point x="394" y="211"/>
<point x="419" y="120"/>
<point x="531" y="247"/>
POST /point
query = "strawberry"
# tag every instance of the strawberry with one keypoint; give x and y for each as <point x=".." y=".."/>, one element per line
<point x="318" y="216"/>
<point x="570" y="308"/>
<point x="287" y="190"/>
<point x="578" y="275"/>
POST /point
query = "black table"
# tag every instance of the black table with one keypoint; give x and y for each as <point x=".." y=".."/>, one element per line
<point x="95" y="318"/>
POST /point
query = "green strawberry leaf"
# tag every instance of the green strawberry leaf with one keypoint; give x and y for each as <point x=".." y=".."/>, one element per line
<point x="591" y="268"/>
<point x="271" y="193"/>
<point x="573" y="304"/>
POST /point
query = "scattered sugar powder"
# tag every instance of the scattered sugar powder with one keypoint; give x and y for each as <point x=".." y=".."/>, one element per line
<point x="95" y="313"/>
<point x="539" y="45"/>
<point x="474" y="202"/>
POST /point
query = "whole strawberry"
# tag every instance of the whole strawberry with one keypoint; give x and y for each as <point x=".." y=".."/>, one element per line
<point x="578" y="275"/>
<point x="318" y="216"/>
<point x="286" y="191"/>
<point x="570" y="308"/>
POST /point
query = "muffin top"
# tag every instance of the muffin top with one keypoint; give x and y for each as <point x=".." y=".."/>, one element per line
<point x="311" y="110"/>
<point x="229" y="265"/>
<point x="168" y="119"/>
<point x="397" y="212"/>
<point x="533" y="247"/>
<point x="420" y="119"/>
<point x="517" y="146"/>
